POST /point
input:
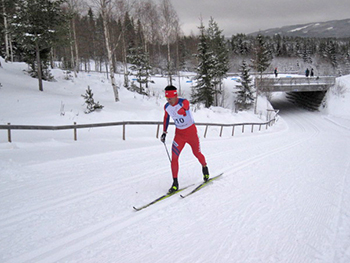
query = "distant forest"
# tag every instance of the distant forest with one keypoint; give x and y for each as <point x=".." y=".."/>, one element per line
<point x="89" y="34"/>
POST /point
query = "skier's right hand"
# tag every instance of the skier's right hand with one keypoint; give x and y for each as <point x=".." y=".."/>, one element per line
<point x="162" y="138"/>
<point x="182" y="111"/>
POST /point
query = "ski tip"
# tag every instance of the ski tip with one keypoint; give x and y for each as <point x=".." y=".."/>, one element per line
<point x="136" y="209"/>
<point x="216" y="176"/>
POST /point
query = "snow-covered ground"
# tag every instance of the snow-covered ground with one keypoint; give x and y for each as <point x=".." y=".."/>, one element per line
<point x="284" y="196"/>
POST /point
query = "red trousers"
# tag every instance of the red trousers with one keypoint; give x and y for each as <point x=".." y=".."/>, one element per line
<point x="182" y="137"/>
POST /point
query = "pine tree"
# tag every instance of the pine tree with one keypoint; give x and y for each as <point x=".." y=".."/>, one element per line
<point x="130" y="34"/>
<point x="217" y="45"/>
<point x="91" y="36"/>
<point x="331" y="54"/>
<point x="347" y="62"/>
<point x="306" y="54"/>
<point x="261" y="61"/>
<point x="100" y="45"/>
<point x="91" y="105"/>
<point x="262" y="58"/>
<point x="204" y="90"/>
<point x="36" y="28"/>
<point x="140" y="64"/>
<point x="245" y="97"/>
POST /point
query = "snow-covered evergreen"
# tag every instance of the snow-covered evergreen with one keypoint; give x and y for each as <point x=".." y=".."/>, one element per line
<point x="204" y="90"/>
<point x="245" y="96"/>
<point x="213" y="65"/>
<point x="139" y="60"/>
<point x="90" y="103"/>
<point x="36" y="28"/>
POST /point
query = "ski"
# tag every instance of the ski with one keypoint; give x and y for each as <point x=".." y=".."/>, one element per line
<point x="160" y="198"/>
<point x="200" y="186"/>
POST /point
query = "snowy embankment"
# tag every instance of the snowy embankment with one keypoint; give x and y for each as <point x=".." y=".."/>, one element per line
<point x="284" y="196"/>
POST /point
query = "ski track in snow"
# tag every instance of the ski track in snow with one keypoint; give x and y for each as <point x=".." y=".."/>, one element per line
<point x="277" y="202"/>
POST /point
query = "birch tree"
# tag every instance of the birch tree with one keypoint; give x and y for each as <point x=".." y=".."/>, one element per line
<point x="7" y="47"/>
<point x="7" y="7"/>
<point x="169" y="23"/>
<point x="105" y="8"/>
<point x="73" y="10"/>
<point x="147" y="13"/>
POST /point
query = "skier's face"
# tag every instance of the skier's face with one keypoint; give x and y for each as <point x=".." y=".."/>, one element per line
<point x="172" y="101"/>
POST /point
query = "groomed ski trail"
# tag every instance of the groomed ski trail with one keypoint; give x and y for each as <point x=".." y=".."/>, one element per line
<point x="278" y="202"/>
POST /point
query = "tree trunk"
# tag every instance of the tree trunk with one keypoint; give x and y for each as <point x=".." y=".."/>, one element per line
<point x="11" y="48"/>
<point x="72" y="53"/>
<point x="126" y="73"/>
<point x="5" y="31"/>
<point x="76" y="68"/>
<point x="38" y="62"/>
<point x="74" y="48"/>
<point x="52" y="58"/>
<point x="178" y="69"/>
<point x="109" y="52"/>
<point x="169" y="66"/>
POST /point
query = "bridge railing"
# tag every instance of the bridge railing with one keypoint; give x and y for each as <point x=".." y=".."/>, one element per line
<point x="294" y="84"/>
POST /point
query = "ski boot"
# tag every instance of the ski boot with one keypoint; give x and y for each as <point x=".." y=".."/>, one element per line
<point x="205" y="173"/>
<point x="174" y="187"/>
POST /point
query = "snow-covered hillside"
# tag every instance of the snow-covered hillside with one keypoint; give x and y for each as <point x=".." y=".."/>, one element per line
<point x="284" y="196"/>
<point x="329" y="29"/>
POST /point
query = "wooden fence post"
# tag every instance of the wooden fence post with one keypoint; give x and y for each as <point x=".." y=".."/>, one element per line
<point x="75" y="131"/>
<point x="124" y="131"/>
<point x="9" y="133"/>
<point x="206" y="129"/>
<point x="157" y="131"/>
<point x="252" y="128"/>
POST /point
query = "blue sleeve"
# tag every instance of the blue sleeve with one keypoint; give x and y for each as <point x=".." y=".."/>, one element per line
<point x="166" y="118"/>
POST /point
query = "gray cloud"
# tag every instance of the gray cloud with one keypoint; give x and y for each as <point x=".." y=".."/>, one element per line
<point x="253" y="15"/>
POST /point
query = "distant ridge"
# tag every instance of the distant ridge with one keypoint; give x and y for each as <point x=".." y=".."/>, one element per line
<point x="334" y="28"/>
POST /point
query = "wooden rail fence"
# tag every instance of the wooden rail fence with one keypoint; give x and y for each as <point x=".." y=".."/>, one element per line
<point x="9" y="127"/>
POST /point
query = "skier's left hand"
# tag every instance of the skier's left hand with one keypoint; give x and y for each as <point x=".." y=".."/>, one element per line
<point x="162" y="138"/>
<point x="182" y="111"/>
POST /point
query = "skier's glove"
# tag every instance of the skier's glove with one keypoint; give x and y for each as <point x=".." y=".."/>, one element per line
<point x="182" y="111"/>
<point x="162" y="138"/>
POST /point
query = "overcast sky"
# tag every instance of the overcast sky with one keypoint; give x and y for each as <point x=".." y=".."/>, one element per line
<point x="249" y="16"/>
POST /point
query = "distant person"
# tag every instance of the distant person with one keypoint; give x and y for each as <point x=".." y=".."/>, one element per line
<point x="312" y="72"/>
<point x="186" y="132"/>
<point x="307" y="72"/>
<point x="276" y="72"/>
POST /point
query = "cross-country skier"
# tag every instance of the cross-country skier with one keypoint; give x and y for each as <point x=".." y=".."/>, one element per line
<point x="186" y="132"/>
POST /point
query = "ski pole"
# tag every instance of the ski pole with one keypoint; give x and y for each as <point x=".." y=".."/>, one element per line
<point x="167" y="152"/>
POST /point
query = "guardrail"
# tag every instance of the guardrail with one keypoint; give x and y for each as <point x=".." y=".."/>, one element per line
<point x="9" y="127"/>
<point x="295" y="84"/>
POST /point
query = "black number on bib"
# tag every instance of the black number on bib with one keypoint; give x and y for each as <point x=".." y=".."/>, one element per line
<point x="180" y="120"/>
